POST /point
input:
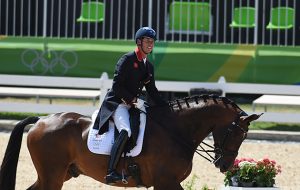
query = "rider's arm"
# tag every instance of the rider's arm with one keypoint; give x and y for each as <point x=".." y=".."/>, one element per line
<point x="118" y="86"/>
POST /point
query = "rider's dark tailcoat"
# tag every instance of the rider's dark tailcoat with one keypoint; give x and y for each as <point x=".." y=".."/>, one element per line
<point x="131" y="75"/>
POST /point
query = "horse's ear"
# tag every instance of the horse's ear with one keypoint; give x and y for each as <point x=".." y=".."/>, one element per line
<point x="250" y="118"/>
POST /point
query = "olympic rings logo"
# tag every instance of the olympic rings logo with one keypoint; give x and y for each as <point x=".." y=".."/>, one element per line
<point x="42" y="62"/>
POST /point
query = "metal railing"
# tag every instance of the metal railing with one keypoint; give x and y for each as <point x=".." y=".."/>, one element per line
<point x="204" y="21"/>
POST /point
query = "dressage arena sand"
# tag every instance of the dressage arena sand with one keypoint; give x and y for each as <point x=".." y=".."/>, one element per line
<point x="286" y="154"/>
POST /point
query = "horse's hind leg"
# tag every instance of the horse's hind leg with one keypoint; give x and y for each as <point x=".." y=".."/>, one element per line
<point x="49" y="179"/>
<point x="51" y="171"/>
<point x="33" y="186"/>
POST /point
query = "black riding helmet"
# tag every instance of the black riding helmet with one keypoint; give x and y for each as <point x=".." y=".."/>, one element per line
<point x="145" y="32"/>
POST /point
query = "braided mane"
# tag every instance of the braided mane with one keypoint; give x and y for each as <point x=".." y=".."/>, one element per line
<point x="200" y="101"/>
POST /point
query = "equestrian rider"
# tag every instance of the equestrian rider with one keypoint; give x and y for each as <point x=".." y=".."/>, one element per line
<point x="133" y="72"/>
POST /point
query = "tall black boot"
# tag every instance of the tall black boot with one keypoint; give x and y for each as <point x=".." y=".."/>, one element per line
<point x="112" y="176"/>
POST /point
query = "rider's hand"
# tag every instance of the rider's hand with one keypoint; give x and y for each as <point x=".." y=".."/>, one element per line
<point x="139" y="103"/>
<point x="134" y="100"/>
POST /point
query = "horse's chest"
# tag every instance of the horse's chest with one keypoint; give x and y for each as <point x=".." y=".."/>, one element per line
<point x="186" y="171"/>
<point x="189" y="170"/>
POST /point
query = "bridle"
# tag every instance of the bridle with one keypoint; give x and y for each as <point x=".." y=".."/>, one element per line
<point x="219" y="149"/>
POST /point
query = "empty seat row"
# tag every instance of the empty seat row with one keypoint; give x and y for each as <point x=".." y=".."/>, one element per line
<point x="196" y="16"/>
<point x="280" y="18"/>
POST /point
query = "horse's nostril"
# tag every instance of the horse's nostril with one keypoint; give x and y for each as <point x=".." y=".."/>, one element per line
<point x="223" y="168"/>
<point x="217" y="164"/>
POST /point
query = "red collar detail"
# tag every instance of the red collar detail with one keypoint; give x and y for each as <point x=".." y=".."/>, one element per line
<point x="139" y="54"/>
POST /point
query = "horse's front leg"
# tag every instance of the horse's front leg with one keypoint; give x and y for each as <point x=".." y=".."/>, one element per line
<point x="165" y="180"/>
<point x="174" y="185"/>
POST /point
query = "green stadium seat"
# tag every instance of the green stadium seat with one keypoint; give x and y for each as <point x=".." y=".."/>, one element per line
<point x="243" y="17"/>
<point x="190" y="17"/>
<point x="91" y="12"/>
<point x="281" y="18"/>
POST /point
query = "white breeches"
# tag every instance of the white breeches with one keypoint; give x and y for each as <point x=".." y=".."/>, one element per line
<point x="121" y="118"/>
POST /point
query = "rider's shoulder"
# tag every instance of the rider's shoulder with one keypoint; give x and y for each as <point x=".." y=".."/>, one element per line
<point x="130" y="54"/>
<point x="127" y="56"/>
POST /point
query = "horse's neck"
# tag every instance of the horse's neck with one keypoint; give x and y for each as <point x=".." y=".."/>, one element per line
<point x="193" y="127"/>
<point x="199" y="115"/>
<point x="197" y="123"/>
<point x="174" y="124"/>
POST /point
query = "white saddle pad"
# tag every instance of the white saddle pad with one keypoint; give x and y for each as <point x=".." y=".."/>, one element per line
<point x="102" y="144"/>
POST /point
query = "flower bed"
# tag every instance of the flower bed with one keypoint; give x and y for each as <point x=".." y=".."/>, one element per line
<point x="247" y="172"/>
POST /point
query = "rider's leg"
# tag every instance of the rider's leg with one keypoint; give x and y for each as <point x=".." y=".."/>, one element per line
<point x="121" y="119"/>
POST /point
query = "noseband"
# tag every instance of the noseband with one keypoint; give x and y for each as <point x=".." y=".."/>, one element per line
<point x="219" y="149"/>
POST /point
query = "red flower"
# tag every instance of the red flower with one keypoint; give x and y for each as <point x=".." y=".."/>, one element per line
<point x="261" y="173"/>
<point x="135" y="65"/>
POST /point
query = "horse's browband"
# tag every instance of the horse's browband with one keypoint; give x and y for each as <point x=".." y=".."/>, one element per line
<point x="179" y="104"/>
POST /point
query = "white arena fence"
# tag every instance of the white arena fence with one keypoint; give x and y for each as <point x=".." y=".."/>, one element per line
<point x="48" y="87"/>
<point x="89" y="88"/>
<point x="227" y="88"/>
<point x="265" y="22"/>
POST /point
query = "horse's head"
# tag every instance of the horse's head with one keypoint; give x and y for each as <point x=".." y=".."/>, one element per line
<point x="204" y="114"/>
<point x="228" y="140"/>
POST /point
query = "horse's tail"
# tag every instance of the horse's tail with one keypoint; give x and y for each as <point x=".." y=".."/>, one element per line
<point x="11" y="157"/>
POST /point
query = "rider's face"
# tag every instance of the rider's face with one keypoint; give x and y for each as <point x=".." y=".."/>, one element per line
<point x="147" y="44"/>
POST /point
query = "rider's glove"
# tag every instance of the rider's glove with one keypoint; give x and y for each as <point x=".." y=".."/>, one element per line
<point x="139" y="103"/>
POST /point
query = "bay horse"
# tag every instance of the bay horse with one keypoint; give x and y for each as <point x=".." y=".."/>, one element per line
<point x="58" y="144"/>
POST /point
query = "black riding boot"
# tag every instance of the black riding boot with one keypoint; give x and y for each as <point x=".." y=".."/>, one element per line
<point x="116" y="152"/>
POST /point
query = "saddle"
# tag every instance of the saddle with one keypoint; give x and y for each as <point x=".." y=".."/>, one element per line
<point x="101" y="144"/>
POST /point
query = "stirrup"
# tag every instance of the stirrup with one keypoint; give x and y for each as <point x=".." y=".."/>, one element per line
<point x="112" y="179"/>
<point x="124" y="178"/>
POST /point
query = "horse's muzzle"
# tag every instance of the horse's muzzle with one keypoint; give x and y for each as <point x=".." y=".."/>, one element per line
<point x="222" y="165"/>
